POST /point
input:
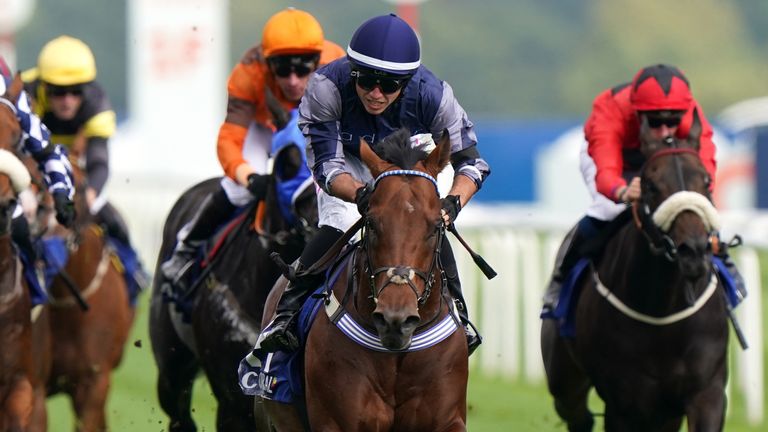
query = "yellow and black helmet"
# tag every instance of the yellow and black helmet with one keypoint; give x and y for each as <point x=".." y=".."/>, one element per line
<point x="66" y="61"/>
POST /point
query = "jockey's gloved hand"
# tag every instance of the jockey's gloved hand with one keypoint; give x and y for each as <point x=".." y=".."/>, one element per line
<point x="450" y="206"/>
<point x="362" y="197"/>
<point x="65" y="209"/>
<point x="257" y="185"/>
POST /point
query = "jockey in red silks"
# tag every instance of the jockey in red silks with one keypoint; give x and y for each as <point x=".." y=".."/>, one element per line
<point x="292" y="47"/>
<point x="659" y="96"/>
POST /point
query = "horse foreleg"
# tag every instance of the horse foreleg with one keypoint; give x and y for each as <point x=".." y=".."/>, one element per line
<point x="39" y="420"/>
<point x="174" y="390"/>
<point x="706" y="411"/>
<point x="567" y="382"/>
<point x="89" y="399"/>
<point x="283" y="417"/>
<point x="18" y="405"/>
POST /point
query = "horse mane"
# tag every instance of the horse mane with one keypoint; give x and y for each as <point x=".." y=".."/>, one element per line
<point x="396" y="149"/>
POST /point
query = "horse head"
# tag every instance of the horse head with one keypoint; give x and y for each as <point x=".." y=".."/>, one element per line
<point x="402" y="236"/>
<point x="292" y="190"/>
<point x="650" y="144"/>
<point x="15" y="176"/>
<point x="676" y="210"/>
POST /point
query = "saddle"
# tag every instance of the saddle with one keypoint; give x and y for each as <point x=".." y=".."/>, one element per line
<point x="54" y="254"/>
<point x="208" y="256"/>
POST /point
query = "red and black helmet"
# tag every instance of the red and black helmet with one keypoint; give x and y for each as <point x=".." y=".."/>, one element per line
<point x="660" y="87"/>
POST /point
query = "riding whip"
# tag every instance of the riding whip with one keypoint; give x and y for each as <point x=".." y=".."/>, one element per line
<point x="74" y="290"/>
<point x="487" y="270"/>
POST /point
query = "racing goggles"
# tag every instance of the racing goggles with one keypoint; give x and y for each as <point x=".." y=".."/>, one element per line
<point x="670" y="122"/>
<point x="284" y="66"/>
<point x="61" y="91"/>
<point x="388" y="85"/>
<point x="656" y="119"/>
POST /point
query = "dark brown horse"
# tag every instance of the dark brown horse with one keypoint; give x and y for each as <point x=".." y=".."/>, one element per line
<point x="228" y="303"/>
<point x="24" y="356"/>
<point x="651" y="330"/>
<point x="394" y="293"/>
<point x="88" y="344"/>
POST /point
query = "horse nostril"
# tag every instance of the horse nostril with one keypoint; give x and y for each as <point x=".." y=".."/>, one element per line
<point x="411" y="322"/>
<point x="378" y="320"/>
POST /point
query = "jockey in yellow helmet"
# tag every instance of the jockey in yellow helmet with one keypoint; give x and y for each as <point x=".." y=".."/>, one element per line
<point x="76" y="109"/>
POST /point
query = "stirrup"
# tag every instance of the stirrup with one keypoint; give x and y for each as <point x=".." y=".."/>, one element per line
<point x="474" y="339"/>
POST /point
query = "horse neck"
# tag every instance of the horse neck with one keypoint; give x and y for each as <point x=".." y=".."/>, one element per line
<point x="7" y="264"/>
<point x="642" y="279"/>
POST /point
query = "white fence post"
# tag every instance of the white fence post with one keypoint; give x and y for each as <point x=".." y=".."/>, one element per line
<point x="749" y="364"/>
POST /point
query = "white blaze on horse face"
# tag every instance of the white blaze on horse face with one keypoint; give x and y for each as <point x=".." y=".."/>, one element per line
<point x="399" y="279"/>
<point x="409" y="207"/>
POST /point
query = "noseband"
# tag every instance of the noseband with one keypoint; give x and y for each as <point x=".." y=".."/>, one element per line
<point x="401" y="274"/>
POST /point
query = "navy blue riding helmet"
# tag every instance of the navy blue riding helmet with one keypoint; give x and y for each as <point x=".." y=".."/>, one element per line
<point x="385" y="43"/>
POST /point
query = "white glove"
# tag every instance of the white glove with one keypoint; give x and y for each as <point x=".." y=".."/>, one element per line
<point x="423" y="142"/>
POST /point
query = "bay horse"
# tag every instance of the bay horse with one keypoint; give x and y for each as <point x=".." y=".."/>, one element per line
<point x="228" y="302"/>
<point x="24" y="337"/>
<point x="651" y="330"/>
<point x="393" y="291"/>
<point x="88" y="343"/>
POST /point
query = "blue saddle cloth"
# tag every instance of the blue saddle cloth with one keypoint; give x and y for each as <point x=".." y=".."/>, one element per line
<point x="565" y="311"/>
<point x="54" y="252"/>
<point x="279" y="376"/>
<point x="131" y="266"/>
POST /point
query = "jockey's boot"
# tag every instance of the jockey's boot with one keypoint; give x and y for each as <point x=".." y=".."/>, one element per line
<point x="211" y="213"/>
<point x="280" y="333"/>
<point x="725" y="257"/>
<point x="454" y="288"/>
<point x="22" y="238"/>
<point x="115" y="227"/>
<point x="567" y="256"/>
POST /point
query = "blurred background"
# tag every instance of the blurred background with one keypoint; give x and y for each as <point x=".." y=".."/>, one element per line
<point x="526" y="71"/>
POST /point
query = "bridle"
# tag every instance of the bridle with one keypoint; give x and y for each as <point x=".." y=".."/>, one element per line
<point x="402" y="274"/>
<point x="659" y="240"/>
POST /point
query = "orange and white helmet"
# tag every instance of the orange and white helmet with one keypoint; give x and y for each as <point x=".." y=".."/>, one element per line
<point x="292" y="31"/>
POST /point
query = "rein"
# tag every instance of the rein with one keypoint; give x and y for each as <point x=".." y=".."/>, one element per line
<point x="93" y="286"/>
<point x="400" y="274"/>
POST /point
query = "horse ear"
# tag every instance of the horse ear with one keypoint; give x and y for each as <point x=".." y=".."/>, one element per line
<point x="438" y="159"/>
<point x="376" y="164"/>
<point x="17" y="85"/>
<point x="694" y="133"/>
<point x="280" y="116"/>
<point x="648" y="144"/>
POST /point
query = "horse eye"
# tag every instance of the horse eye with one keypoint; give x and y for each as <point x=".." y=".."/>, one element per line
<point x="648" y="186"/>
